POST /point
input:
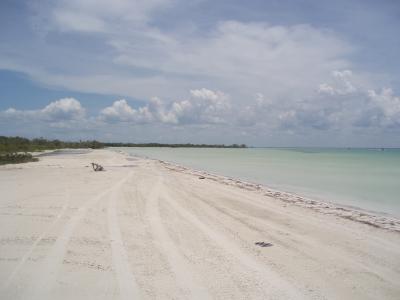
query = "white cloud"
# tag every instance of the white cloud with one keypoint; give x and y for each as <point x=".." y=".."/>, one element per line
<point x="358" y="108"/>
<point x="120" y="48"/>
<point x="340" y="107"/>
<point x="66" y="109"/>
<point x="100" y="15"/>
<point x="119" y="111"/>
<point x="349" y="105"/>
<point x="237" y="57"/>
<point x="140" y="59"/>
<point x="204" y="106"/>
<point x="327" y="89"/>
<point x="380" y="110"/>
<point x="63" y="109"/>
<point x="341" y="84"/>
<point x="206" y="94"/>
<point x="388" y="102"/>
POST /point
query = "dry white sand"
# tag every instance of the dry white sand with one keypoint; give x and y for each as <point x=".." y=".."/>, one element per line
<point x="145" y="230"/>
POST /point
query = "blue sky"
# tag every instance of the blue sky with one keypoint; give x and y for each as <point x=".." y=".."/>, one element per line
<point x="265" y="73"/>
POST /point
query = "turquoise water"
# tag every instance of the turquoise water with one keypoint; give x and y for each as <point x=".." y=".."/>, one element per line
<point x="363" y="178"/>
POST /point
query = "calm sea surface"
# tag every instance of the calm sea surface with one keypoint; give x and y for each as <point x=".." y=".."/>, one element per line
<point x="368" y="179"/>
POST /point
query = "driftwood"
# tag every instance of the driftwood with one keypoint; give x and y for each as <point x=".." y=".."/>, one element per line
<point x="97" y="167"/>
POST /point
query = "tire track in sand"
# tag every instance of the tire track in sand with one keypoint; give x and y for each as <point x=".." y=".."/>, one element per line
<point x="27" y="255"/>
<point x="277" y="287"/>
<point x="128" y="288"/>
<point x="43" y="285"/>
<point x="188" y="283"/>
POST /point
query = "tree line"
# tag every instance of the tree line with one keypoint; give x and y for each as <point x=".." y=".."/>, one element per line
<point x="187" y="145"/>
<point x="20" y="144"/>
<point x="16" y="149"/>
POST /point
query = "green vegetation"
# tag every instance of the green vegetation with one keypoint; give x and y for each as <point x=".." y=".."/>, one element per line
<point x="16" y="158"/>
<point x="174" y="145"/>
<point x="14" y="149"/>
<point x="19" y="144"/>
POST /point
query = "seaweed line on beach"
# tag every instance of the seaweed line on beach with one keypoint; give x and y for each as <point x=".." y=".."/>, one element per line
<point x="378" y="221"/>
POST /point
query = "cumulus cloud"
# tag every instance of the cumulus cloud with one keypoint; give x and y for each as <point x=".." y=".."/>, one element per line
<point x="206" y="94"/>
<point x="345" y="107"/>
<point x="341" y="84"/>
<point x="121" y="111"/>
<point x="204" y="106"/>
<point x="380" y="110"/>
<point x="66" y="109"/>
<point x="63" y="109"/>
<point x="340" y="105"/>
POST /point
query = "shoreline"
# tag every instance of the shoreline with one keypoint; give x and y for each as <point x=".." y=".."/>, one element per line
<point x="357" y="214"/>
<point x="146" y="229"/>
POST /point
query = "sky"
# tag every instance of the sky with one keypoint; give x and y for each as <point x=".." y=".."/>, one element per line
<point x="260" y="72"/>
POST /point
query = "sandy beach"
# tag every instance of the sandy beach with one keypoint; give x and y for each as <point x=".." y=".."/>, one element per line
<point x="144" y="229"/>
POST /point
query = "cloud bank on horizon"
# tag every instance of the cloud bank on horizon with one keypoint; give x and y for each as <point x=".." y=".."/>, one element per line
<point x="257" y="73"/>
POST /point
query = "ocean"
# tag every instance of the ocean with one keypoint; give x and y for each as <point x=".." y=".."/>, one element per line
<point x="363" y="178"/>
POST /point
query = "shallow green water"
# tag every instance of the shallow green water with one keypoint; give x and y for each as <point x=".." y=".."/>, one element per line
<point x="368" y="179"/>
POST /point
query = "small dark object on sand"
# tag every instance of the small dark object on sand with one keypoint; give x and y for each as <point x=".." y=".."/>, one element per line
<point x="97" y="167"/>
<point x="263" y="244"/>
<point x="202" y="177"/>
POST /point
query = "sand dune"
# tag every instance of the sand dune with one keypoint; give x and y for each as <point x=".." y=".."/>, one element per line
<point x="143" y="230"/>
